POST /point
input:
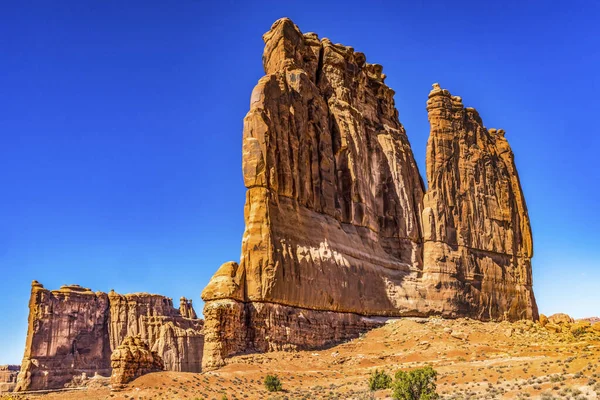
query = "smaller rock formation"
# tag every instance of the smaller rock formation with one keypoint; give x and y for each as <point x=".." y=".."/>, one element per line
<point x="73" y="331"/>
<point x="564" y="324"/>
<point x="560" y="319"/>
<point x="133" y="358"/>
<point x="66" y="337"/>
<point x="8" y="377"/>
<point x="477" y="242"/>
<point x="186" y="309"/>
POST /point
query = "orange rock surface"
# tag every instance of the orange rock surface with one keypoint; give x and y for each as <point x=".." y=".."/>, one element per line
<point x="73" y="331"/>
<point x="339" y="229"/>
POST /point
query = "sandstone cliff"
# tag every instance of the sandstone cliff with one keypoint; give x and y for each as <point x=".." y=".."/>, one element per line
<point x="66" y="337"/>
<point x="333" y="203"/>
<point x="73" y="331"/>
<point x="176" y="335"/>
<point x="477" y="238"/>
<point x="338" y="227"/>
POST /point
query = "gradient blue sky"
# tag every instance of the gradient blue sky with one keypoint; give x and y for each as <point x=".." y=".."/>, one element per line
<point x="121" y="128"/>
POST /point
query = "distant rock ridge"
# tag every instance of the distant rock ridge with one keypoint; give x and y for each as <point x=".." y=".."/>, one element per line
<point x="339" y="227"/>
<point x="73" y="331"/>
<point x="8" y="377"/>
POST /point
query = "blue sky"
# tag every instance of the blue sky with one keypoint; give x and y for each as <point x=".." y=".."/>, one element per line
<point x="121" y="128"/>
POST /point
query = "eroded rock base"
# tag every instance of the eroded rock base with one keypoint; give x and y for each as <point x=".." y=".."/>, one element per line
<point x="235" y="327"/>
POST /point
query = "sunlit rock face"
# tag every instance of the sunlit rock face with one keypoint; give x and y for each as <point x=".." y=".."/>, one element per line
<point x="333" y="203"/>
<point x="73" y="331"/>
<point x="339" y="231"/>
<point x="476" y="232"/>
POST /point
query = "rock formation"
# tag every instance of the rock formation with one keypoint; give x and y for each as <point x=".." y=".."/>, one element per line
<point x="8" y="377"/>
<point x="73" y="331"/>
<point x="477" y="239"/>
<point x="561" y="319"/>
<point x="340" y="232"/>
<point x="334" y="236"/>
<point x="66" y="337"/>
<point x="131" y="359"/>
<point x="332" y="208"/>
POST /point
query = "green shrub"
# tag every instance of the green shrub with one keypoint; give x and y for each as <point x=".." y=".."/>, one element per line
<point x="418" y="384"/>
<point x="379" y="380"/>
<point x="272" y="383"/>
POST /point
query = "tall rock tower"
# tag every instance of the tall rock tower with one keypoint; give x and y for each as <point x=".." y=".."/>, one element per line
<point x="334" y="239"/>
<point x="477" y="238"/>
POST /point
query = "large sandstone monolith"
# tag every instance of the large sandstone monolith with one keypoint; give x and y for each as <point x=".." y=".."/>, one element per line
<point x="334" y="205"/>
<point x="175" y="334"/>
<point x="332" y="208"/>
<point x="477" y="239"/>
<point x="73" y="331"/>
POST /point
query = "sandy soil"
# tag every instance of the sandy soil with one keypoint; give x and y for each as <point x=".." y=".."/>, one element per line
<point x="474" y="360"/>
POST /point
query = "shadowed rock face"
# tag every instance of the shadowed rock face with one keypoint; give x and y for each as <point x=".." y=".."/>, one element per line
<point x="334" y="197"/>
<point x="334" y="207"/>
<point x="73" y="331"/>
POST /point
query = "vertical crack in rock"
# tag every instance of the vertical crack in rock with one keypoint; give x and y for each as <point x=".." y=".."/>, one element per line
<point x="332" y="237"/>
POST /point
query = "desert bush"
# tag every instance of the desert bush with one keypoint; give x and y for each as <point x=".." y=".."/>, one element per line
<point x="379" y="380"/>
<point x="418" y="384"/>
<point x="272" y="383"/>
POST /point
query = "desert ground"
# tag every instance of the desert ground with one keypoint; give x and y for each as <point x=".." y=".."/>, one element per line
<point x="474" y="360"/>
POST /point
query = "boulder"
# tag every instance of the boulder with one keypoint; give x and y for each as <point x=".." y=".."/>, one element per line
<point x="561" y="319"/>
<point x="67" y="337"/>
<point x="131" y="359"/>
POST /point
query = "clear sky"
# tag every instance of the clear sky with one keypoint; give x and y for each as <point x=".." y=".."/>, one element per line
<point x="121" y="126"/>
